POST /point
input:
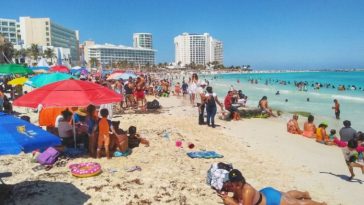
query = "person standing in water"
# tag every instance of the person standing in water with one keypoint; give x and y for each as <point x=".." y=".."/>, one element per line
<point x="336" y="107"/>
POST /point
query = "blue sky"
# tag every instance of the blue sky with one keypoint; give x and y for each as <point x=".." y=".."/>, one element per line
<point x="266" y="34"/>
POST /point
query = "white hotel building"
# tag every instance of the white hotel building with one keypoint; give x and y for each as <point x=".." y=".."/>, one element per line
<point x="143" y="40"/>
<point x="197" y="48"/>
<point x="107" y="54"/>
<point x="9" y="29"/>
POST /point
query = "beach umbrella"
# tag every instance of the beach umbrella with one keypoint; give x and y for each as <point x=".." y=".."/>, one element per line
<point x="59" y="68"/>
<point x="118" y="71"/>
<point x="45" y="79"/>
<point x="9" y="69"/>
<point x="39" y="69"/>
<point x="19" y="135"/>
<point x="79" y="71"/>
<point x="18" y="81"/>
<point x="124" y="76"/>
<point x="68" y="93"/>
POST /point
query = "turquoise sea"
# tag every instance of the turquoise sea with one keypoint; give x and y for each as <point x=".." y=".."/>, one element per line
<point x="320" y="100"/>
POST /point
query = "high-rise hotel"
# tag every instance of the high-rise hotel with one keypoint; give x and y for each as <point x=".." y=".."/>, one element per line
<point x="200" y="49"/>
<point x="143" y="40"/>
<point x="44" y="32"/>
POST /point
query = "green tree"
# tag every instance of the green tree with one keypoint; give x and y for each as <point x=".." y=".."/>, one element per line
<point x="94" y="62"/>
<point x="6" y="51"/>
<point x="49" y="54"/>
<point x="33" y="51"/>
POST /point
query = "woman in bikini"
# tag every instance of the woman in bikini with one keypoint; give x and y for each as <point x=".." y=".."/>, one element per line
<point x="309" y="128"/>
<point x="246" y="194"/>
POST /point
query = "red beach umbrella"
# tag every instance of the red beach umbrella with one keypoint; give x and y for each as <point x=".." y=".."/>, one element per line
<point x="59" y="68"/>
<point x="69" y="93"/>
<point x="118" y="71"/>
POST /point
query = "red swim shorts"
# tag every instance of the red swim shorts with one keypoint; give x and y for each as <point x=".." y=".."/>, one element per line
<point x="139" y="95"/>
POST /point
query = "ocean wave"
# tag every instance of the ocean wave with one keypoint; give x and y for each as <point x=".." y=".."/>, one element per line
<point x="345" y="97"/>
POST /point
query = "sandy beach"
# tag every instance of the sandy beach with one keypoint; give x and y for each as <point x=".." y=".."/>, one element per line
<point x="261" y="148"/>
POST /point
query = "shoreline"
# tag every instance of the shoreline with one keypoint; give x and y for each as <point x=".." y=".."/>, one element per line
<point x="266" y="157"/>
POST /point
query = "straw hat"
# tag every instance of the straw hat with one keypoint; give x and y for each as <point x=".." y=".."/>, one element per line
<point x="81" y="112"/>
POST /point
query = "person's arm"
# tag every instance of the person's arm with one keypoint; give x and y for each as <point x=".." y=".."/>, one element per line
<point x="227" y="200"/>
<point x="219" y="103"/>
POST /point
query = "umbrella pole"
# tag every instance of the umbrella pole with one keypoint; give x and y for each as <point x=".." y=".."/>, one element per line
<point x="74" y="129"/>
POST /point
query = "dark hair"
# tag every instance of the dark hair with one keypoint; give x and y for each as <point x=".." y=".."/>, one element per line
<point x="332" y="131"/>
<point x="25" y="117"/>
<point x="66" y="114"/>
<point x="347" y="123"/>
<point x="132" y="130"/>
<point x="311" y="118"/>
<point x="236" y="176"/>
<point x="104" y="112"/>
<point x="353" y="144"/>
<point x="209" y="89"/>
<point x="90" y="109"/>
<point x="264" y="98"/>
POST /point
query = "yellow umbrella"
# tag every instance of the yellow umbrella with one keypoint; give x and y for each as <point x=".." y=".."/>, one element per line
<point x="18" y="81"/>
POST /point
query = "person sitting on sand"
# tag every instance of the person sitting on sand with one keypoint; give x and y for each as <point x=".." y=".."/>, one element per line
<point x="177" y="89"/>
<point x="292" y="125"/>
<point x="135" y="139"/>
<point x="263" y="105"/>
<point x="309" y="128"/>
<point x="351" y="157"/>
<point x="321" y="135"/>
<point x="246" y="194"/>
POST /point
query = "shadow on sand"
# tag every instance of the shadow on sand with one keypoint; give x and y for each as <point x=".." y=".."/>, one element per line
<point x="44" y="192"/>
<point x="344" y="177"/>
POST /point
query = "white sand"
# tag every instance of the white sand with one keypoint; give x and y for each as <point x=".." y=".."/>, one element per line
<point x="260" y="148"/>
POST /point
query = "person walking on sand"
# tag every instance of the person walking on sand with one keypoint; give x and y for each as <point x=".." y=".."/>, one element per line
<point x="210" y="101"/>
<point x="201" y="106"/>
<point x="336" y="107"/>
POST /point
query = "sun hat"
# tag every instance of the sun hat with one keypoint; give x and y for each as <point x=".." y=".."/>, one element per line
<point x="324" y="123"/>
<point x="81" y="112"/>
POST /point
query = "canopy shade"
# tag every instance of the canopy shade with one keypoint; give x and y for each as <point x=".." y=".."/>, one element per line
<point x="59" y="68"/>
<point x="69" y="93"/>
<point x="18" y="135"/>
<point x="9" y="69"/>
<point x="45" y="79"/>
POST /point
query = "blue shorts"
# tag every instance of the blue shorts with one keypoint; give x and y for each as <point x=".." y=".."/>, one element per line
<point x="272" y="196"/>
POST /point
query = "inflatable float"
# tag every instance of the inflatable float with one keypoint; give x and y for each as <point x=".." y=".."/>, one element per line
<point x="85" y="169"/>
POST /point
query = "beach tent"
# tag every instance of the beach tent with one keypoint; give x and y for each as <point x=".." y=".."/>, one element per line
<point x="9" y="69"/>
<point x="79" y="70"/>
<point x="45" y="79"/>
<point x="18" y="81"/>
<point x="18" y="135"/>
<point x="59" y="68"/>
<point x="42" y="63"/>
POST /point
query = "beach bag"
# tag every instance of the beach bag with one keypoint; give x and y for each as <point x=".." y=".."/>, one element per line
<point x="48" y="157"/>
<point x="153" y="105"/>
<point x="218" y="174"/>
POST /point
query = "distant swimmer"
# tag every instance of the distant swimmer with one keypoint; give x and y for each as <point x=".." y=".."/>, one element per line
<point x="238" y="81"/>
<point x="277" y="93"/>
<point x="286" y="100"/>
<point x="308" y="99"/>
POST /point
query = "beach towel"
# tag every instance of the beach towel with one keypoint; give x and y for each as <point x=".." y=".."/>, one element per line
<point x="204" y="154"/>
<point x="122" y="154"/>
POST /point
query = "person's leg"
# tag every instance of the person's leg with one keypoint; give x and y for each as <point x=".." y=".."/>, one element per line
<point x="354" y="164"/>
<point x="209" y="112"/>
<point x="298" y="194"/>
<point x="287" y="200"/>
<point x="213" y="117"/>
<point x="107" y="147"/>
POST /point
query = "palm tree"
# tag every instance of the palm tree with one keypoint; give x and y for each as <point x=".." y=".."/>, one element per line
<point x="33" y="51"/>
<point x="49" y="53"/>
<point x="94" y="62"/>
<point x="6" y="51"/>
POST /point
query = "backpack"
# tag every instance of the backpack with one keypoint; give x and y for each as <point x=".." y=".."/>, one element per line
<point x="48" y="157"/>
<point x="153" y="105"/>
<point x="218" y="174"/>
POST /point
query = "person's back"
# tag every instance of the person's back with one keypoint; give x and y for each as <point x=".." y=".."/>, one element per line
<point x="347" y="133"/>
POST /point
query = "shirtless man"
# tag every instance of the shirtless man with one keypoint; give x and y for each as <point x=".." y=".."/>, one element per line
<point x="292" y="125"/>
<point x="336" y="107"/>
<point x="263" y="104"/>
<point x="246" y="194"/>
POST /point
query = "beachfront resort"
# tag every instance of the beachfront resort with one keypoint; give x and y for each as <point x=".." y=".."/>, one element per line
<point x="101" y="123"/>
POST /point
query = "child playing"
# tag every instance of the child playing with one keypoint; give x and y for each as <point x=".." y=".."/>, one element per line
<point x="103" y="127"/>
<point x="135" y="139"/>
<point x="351" y="157"/>
<point x="331" y="138"/>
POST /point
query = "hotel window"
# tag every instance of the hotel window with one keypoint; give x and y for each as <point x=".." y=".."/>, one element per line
<point x="4" y="23"/>
<point x="46" y="23"/>
<point x="47" y="33"/>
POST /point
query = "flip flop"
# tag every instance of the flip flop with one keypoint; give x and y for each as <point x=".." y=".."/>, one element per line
<point x="134" y="168"/>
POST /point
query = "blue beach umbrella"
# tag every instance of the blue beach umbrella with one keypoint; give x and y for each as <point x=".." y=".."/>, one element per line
<point x="18" y="135"/>
<point x="45" y="79"/>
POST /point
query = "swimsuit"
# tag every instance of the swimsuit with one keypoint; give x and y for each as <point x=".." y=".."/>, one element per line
<point x="272" y="196"/>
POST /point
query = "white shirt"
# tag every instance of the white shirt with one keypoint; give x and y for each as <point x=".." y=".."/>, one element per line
<point x="63" y="129"/>
<point x="58" y="119"/>
<point x="208" y="94"/>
